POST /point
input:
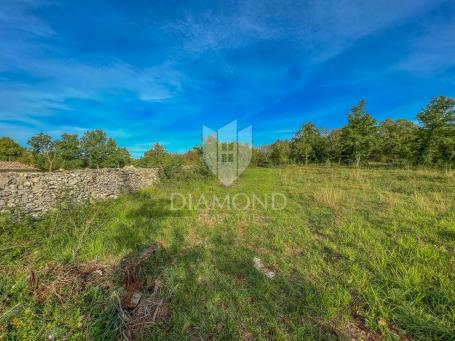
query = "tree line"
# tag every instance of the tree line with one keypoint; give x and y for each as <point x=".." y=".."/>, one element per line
<point x="430" y="141"/>
<point x="364" y="140"/>
<point x="94" y="150"/>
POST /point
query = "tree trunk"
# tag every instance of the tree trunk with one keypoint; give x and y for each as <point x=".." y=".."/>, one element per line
<point x="357" y="161"/>
<point x="50" y="162"/>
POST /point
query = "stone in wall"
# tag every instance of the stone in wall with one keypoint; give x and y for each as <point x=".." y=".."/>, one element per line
<point x="36" y="192"/>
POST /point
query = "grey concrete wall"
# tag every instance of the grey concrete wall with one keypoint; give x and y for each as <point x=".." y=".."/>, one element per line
<point x="36" y="192"/>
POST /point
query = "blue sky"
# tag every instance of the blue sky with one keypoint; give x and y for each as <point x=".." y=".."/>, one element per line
<point x="156" y="71"/>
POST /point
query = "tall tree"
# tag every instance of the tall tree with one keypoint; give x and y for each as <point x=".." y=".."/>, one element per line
<point x="115" y="156"/>
<point x="280" y="152"/>
<point x="93" y="145"/>
<point x="9" y="149"/>
<point x="307" y="144"/>
<point x="359" y="136"/>
<point x="334" y="146"/>
<point x="43" y="149"/>
<point x="100" y="151"/>
<point x="68" y="151"/>
<point x="397" y="140"/>
<point x="437" y="131"/>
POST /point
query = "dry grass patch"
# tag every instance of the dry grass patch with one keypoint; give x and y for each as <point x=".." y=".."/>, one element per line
<point x="431" y="203"/>
<point x="329" y="197"/>
<point x="391" y="199"/>
<point x="205" y="217"/>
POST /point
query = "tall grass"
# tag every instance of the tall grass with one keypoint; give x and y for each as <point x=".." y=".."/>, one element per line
<point x="357" y="254"/>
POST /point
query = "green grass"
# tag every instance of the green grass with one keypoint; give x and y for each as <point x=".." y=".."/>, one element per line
<point x="357" y="253"/>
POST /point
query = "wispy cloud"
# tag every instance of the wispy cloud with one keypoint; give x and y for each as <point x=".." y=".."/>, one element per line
<point x="148" y="72"/>
<point x="321" y="28"/>
<point x="433" y="51"/>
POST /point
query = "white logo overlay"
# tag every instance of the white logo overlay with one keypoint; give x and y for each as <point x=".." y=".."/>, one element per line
<point x="227" y="152"/>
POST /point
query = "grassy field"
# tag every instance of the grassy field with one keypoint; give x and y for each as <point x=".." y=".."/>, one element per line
<point x="363" y="254"/>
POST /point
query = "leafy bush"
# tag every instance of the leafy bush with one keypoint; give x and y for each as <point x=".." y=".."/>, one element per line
<point x="174" y="166"/>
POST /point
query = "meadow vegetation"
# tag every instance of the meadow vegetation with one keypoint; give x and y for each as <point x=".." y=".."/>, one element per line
<point x="357" y="253"/>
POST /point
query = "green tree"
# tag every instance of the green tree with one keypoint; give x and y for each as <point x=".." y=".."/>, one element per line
<point x="27" y="157"/>
<point x="334" y="146"/>
<point x="260" y="156"/>
<point x="68" y="151"/>
<point x="359" y="136"/>
<point x="100" y="151"/>
<point x="43" y="149"/>
<point x="169" y="165"/>
<point x="9" y="149"/>
<point x="280" y="152"/>
<point x="436" y="134"/>
<point x="93" y="145"/>
<point x="307" y="144"/>
<point x="116" y="156"/>
<point x="397" y="140"/>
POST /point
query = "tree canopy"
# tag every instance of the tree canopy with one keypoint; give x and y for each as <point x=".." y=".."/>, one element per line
<point x="429" y="141"/>
<point x="95" y="150"/>
<point x="307" y="144"/>
<point x="9" y="149"/>
<point x="358" y="137"/>
<point x="436" y="134"/>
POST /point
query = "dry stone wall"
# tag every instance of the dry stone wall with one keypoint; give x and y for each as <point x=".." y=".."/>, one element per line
<point x="36" y="192"/>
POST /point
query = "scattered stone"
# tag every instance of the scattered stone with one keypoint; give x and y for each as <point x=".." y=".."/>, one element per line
<point x="136" y="298"/>
<point x="262" y="268"/>
<point x="130" y="299"/>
